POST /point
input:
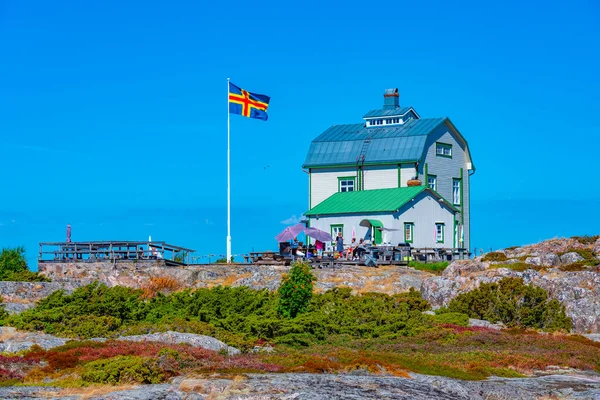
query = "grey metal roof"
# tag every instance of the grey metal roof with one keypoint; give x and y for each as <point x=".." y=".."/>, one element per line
<point x="388" y="113"/>
<point x="342" y="144"/>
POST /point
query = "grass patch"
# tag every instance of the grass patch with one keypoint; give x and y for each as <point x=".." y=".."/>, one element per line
<point x="494" y="256"/>
<point x="518" y="266"/>
<point x="434" y="267"/>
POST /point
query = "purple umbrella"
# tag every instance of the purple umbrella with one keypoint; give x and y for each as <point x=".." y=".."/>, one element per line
<point x="318" y="234"/>
<point x="289" y="233"/>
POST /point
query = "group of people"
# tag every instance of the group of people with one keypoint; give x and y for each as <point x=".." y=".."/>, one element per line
<point x="354" y="251"/>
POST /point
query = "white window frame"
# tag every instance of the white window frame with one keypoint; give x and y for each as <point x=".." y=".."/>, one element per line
<point x="443" y="149"/>
<point x="456" y="191"/>
<point x="434" y="178"/>
<point x="439" y="232"/>
<point x="410" y="228"/>
<point x="345" y="184"/>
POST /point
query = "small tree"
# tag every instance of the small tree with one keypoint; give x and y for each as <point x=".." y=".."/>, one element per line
<point x="12" y="261"/>
<point x="296" y="290"/>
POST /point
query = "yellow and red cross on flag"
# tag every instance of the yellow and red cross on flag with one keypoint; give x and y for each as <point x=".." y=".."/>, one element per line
<point x="248" y="104"/>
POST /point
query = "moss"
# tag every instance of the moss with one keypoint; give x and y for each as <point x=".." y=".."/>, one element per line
<point x="494" y="256"/>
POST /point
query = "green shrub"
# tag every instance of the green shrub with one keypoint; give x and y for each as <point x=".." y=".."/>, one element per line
<point x="123" y="369"/>
<point x="494" y="256"/>
<point x="296" y="290"/>
<point x="445" y="317"/>
<point x="513" y="303"/>
<point x="435" y="267"/>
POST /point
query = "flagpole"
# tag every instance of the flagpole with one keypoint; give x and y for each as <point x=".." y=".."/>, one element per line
<point x="228" y="179"/>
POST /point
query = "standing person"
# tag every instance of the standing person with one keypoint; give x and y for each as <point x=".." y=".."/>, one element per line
<point x="339" y="244"/>
<point x="294" y="245"/>
<point x="319" y="246"/>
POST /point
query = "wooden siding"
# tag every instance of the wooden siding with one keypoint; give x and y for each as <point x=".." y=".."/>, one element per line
<point x="324" y="182"/>
<point x="384" y="177"/>
<point x="407" y="171"/>
<point x="424" y="212"/>
<point x="446" y="169"/>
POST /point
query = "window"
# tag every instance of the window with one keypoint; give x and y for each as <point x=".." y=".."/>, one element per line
<point x="443" y="150"/>
<point x="456" y="192"/>
<point x="432" y="182"/>
<point x="335" y="229"/>
<point x="346" y="184"/>
<point x="439" y="232"/>
<point x="409" y="229"/>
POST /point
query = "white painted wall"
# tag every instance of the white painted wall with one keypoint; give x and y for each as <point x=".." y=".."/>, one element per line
<point x="383" y="177"/>
<point x="445" y="169"/>
<point x="424" y="212"/>
<point x="324" y="182"/>
<point x="407" y="171"/>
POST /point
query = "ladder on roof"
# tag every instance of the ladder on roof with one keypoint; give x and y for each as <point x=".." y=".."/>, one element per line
<point x="360" y="162"/>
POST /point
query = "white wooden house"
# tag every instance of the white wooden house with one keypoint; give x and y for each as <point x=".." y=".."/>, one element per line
<point x="349" y="165"/>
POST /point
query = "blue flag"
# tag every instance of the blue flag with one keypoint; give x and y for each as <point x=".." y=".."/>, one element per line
<point x="248" y="104"/>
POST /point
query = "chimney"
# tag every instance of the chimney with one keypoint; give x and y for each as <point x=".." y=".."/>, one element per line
<point x="391" y="99"/>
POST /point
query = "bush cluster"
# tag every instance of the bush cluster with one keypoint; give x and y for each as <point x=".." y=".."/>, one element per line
<point x="239" y="316"/>
<point x="513" y="303"/>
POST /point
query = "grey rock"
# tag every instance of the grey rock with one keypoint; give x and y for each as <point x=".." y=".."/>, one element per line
<point x="14" y="341"/>
<point x="343" y="386"/>
<point x="570" y="258"/>
<point x="150" y="392"/>
<point x="592" y="336"/>
<point x="205" y="342"/>
<point x="485" y="324"/>
<point x="544" y="260"/>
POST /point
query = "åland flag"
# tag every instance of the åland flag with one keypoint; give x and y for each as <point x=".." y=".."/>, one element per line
<point x="248" y="104"/>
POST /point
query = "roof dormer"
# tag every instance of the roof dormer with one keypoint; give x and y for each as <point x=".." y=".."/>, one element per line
<point x="391" y="113"/>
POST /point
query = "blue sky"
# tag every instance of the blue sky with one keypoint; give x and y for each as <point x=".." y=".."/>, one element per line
<point x="113" y="114"/>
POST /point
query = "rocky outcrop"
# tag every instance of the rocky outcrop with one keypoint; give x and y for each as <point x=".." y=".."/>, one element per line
<point x="13" y="341"/>
<point x="205" y="342"/>
<point x="578" y="291"/>
<point x="388" y="279"/>
<point x="336" y="386"/>
<point x="19" y="296"/>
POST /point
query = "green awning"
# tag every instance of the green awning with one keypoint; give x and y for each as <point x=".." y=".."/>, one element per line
<point x="367" y="223"/>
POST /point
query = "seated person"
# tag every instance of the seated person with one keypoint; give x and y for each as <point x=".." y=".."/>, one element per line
<point x="350" y="251"/>
<point x="359" y="250"/>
